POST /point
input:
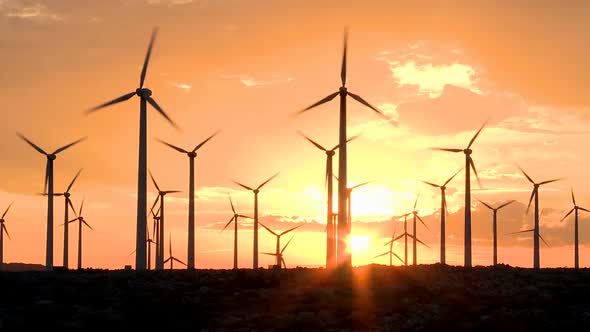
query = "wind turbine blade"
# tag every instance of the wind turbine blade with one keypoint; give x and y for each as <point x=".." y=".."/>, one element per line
<point x="133" y="252"/>
<point x="583" y="209"/>
<point x="155" y="105"/>
<point x="360" y="185"/>
<point x="283" y="261"/>
<point x="268" y="229"/>
<point x="416" y="201"/>
<point x="285" y="247"/>
<point x="572" y="210"/>
<point x="474" y="171"/>
<point x="526" y="175"/>
<point x="6" y="211"/>
<point x="317" y="145"/>
<point x="383" y="254"/>
<point x="477" y="134"/>
<point x="422" y="243"/>
<point x="167" y="260"/>
<point x="171" y="191"/>
<point x="399" y="237"/>
<point x="36" y="147"/>
<point x="206" y="140"/>
<point x="400" y="259"/>
<point x="154" y="205"/>
<point x="431" y="184"/>
<point x="147" y="58"/>
<point x="550" y="181"/>
<point x="452" y="177"/>
<point x="6" y="231"/>
<point x="81" y="207"/>
<point x="542" y="239"/>
<point x="269" y="253"/>
<point x="267" y="181"/>
<point x="447" y="150"/>
<point x="228" y="223"/>
<point x="232" y="205"/>
<point x="525" y="231"/>
<point x="181" y="150"/>
<point x="347" y="141"/>
<point x="75" y="219"/>
<point x="531" y="201"/>
<point x="112" y="102"/>
<point x="73" y="181"/>
<point x="69" y="145"/>
<point x="85" y="223"/>
<point x="154" y="182"/>
<point x="343" y="69"/>
<point x="486" y="204"/>
<point x="243" y="216"/>
<point x="573" y="197"/>
<point x="242" y="185"/>
<point x="178" y="261"/>
<point x="364" y="102"/>
<point x="505" y="204"/>
<point x="323" y="101"/>
<point x="289" y="230"/>
<point x="422" y="221"/>
<point x="72" y="206"/>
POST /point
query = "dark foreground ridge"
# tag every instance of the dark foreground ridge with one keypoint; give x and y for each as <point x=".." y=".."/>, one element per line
<point x="371" y="298"/>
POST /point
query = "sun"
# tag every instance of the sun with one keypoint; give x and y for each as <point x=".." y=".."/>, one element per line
<point x="359" y="243"/>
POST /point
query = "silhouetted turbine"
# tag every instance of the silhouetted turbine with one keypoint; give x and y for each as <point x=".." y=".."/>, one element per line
<point x="48" y="188"/>
<point x="468" y="166"/>
<point x="415" y="235"/>
<point x="534" y="231"/>
<point x="278" y="253"/>
<point x="495" y="225"/>
<point x="256" y="191"/>
<point x="81" y="221"/>
<point x="443" y="212"/>
<point x="575" y="209"/>
<point x="68" y="205"/>
<point x="155" y="234"/>
<point x="344" y="256"/>
<point x="390" y="252"/>
<point x="191" y="196"/>
<point x="330" y="234"/>
<point x="234" y="219"/>
<point x="2" y="231"/>
<point x="171" y="258"/>
<point x="405" y="235"/>
<point x="145" y="97"/>
<point x="161" y="195"/>
<point x="536" y="235"/>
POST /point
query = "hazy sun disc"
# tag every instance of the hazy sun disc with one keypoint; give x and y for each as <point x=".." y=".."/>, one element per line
<point x="359" y="243"/>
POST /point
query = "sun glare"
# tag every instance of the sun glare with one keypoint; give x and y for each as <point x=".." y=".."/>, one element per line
<point x="359" y="243"/>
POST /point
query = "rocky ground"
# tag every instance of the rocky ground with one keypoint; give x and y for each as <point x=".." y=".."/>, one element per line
<point x="370" y="298"/>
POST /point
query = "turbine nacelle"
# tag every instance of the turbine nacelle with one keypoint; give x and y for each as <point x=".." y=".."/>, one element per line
<point x="343" y="90"/>
<point x="67" y="195"/>
<point x="192" y="154"/>
<point x="51" y="156"/>
<point x="256" y="191"/>
<point x="330" y="153"/>
<point x="468" y="151"/>
<point x="143" y="92"/>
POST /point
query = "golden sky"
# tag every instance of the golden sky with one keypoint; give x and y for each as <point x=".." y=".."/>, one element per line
<point x="244" y="67"/>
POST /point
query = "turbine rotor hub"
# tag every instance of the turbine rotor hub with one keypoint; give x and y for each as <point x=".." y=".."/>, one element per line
<point x="256" y="191"/>
<point x="443" y="188"/>
<point x="143" y="92"/>
<point x="51" y="156"/>
<point x="343" y="90"/>
<point x="192" y="154"/>
<point x="468" y="151"/>
<point x="67" y="195"/>
<point x="330" y="153"/>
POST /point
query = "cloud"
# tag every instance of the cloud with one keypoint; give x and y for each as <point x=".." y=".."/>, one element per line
<point x="250" y="81"/>
<point x="182" y="86"/>
<point x="35" y="12"/>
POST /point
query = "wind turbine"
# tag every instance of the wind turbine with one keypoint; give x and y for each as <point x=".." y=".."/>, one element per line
<point x="349" y="208"/>
<point x="145" y="97"/>
<point x="256" y="191"/>
<point x="495" y="225"/>
<point x="469" y="165"/>
<point x="528" y="231"/>
<point x="575" y="209"/>
<point x="330" y="234"/>
<point x="48" y="188"/>
<point x="443" y="212"/>
<point x="171" y="258"/>
<point x="81" y="221"/>
<point x="390" y="252"/>
<point x="535" y="230"/>
<point x="191" y="196"/>
<point x="407" y="235"/>
<point x="235" y="221"/>
<point x="161" y="195"/>
<point x="155" y="231"/>
<point x="343" y="255"/>
<point x="415" y="235"/>
<point x="278" y="253"/>
<point x="2" y="231"/>
<point x="68" y="205"/>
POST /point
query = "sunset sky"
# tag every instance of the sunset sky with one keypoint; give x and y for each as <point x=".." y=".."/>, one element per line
<point x="244" y="67"/>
